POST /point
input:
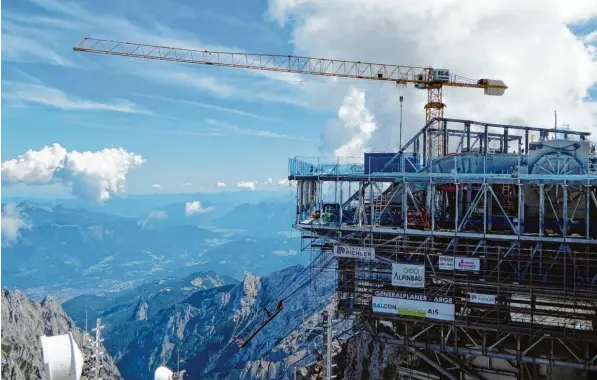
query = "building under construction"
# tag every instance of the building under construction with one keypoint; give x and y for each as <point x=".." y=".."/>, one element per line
<point x="478" y="255"/>
<point x="472" y="246"/>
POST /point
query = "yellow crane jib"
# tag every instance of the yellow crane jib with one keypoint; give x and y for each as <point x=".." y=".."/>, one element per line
<point x="433" y="80"/>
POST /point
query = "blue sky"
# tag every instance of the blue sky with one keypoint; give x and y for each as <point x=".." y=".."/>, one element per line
<point x="53" y="95"/>
<point x="196" y="125"/>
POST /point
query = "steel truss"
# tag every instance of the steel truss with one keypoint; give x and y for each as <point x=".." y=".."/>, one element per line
<point x="460" y="349"/>
<point x="526" y="219"/>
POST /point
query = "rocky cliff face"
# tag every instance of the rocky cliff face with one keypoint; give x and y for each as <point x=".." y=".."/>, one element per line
<point x="23" y="322"/>
<point x="125" y="314"/>
<point x="201" y="329"/>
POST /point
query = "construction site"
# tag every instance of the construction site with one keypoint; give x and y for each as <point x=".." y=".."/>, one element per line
<point x="471" y="245"/>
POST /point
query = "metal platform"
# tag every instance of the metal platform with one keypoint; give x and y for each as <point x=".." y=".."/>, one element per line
<point x="502" y="244"/>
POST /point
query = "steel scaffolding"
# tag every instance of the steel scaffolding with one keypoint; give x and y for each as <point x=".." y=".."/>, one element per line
<point x="483" y="261"/>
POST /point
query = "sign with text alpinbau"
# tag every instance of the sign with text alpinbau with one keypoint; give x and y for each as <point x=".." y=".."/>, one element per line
<point x="412" y="276"/>
<point x="354" y="252"/>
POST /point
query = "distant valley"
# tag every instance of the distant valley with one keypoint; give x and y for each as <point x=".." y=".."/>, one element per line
<point x="200" y="315"/>
<point x="69" y="251"/>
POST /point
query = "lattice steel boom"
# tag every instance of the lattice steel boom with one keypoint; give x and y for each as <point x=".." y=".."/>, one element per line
<point x="422" y="77"/>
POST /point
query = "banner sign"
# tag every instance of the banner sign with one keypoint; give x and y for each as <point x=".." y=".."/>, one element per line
<point x="411" y="308"/>
<point x="412" y="276"/>
<point x="460" y="263"/>
<point x="413" y="296"/>
<point x="354" y="252"/>
<point x="446" y="262"/>
<point x="487" y="299"/>
<point x="467" y="263"/>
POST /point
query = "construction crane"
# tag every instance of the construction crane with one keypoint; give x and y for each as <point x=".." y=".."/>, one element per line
<point x="433" y="80"/>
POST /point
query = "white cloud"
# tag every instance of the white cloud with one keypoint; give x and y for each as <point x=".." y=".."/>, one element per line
<point x="283" y="182"/>
<point x="196" y="207"/>
<point x="39" y="37"/>
<point x="349" y="136"/>
<point x="193" y="103"/>
<point x="12" y="223"/>
<point x="156" y="186"/>
<point x="90" y="175"/>
<point x="52" y="97"/>
<point x="220" y="184"/>
<point x="246" y="185"/>
<point x="233" y="129"/>
<point x="548" y="69"/>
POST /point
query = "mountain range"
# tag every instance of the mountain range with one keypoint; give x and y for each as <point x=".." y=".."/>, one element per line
<point x="167" y="285"/>
<point x="68" y="252"/>
<point x="147" y="328"/>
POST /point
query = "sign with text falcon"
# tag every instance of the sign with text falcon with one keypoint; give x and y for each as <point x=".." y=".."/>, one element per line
<point x="412" y="276"/>
<point x="413" y="308"/>
<point x="354" y="252"/>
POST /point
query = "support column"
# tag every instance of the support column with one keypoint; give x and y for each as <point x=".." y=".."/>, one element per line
<point x="327" y="344"/>
<point x="565" y="211"/>
<point x="541" y="208"/>
<point x="404" y="206"/>
<point x="587" y="211"/>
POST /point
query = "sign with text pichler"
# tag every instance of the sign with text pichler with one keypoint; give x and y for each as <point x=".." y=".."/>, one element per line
<point x="354" y="252"/>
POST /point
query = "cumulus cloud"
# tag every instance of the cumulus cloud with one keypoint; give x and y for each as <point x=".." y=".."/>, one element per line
<point x="489" y="39"/>
<point x="89" y="175"/>
<point x="195" y="207"/>
<point x="13" y="223"/>
<point x="220" y="184"/>
<point x="246" y="185"/>
<point x="349" y="135"/>
<point x="156" y="186"/>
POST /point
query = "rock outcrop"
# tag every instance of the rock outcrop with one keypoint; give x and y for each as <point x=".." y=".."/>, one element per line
<point x="23" y="322"/>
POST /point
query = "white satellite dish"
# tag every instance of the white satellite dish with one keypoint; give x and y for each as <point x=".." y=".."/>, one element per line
<point x="163" y="373"/>
<point x="62" y="357"/>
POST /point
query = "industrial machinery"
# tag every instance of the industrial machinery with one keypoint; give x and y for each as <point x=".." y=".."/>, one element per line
<point x="431" y="79"/>
<point x="481" y="263"/>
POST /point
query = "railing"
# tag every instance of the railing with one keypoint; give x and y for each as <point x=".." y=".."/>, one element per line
<point x="324" y="166"/>
<point x="464" y="165"/>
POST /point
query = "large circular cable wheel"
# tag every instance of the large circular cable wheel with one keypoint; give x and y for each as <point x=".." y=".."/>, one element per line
<point x="559" y="164"/>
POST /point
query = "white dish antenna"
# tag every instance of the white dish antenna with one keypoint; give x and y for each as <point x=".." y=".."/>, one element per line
<point x="163" y="373"/>
<point x="62" y="357"/>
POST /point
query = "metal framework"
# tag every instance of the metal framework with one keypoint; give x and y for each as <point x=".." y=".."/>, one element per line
<point x="504" y="241"/>
<point x="422" y="77"/>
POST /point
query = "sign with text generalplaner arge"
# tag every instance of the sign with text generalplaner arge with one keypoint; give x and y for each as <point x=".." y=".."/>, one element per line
<point x="354" y="252"/>
<point x="413" y="296"/>
<point x="412" y="276"/>
<point x="412" y="308"/>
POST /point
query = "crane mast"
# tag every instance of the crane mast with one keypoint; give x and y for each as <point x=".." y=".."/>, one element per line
<point x="423" y="78"/>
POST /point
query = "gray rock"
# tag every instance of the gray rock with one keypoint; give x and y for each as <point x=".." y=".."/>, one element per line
<point x="23" y="322"/>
